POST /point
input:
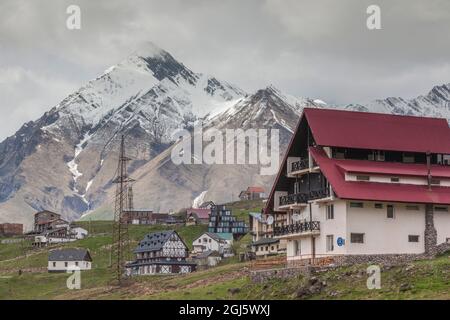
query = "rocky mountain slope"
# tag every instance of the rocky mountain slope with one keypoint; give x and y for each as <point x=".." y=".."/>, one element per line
<point x="65" y="161"/>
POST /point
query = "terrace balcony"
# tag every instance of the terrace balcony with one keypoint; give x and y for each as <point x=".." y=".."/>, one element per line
<point x="306" y="228"/>
<point x="297" y="200"/>
<point x="297" y="166"/>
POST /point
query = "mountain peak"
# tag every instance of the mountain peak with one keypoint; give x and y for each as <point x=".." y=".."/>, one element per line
<point x="149" y="50"/>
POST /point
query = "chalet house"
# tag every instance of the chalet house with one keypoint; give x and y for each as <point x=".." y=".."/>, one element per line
<point x="11" y="229"/>
<point x="161" y="253"/>
<point x="47" y="220"/>
<point x="211" y="242"/>
<point x="252" y="193"/>
<point x="197" y="216"/>
<point x="363" y="185"/>
<point x="144" y="217"/>
<point x="266" y="247"/>
<point x="221" y="220"/>
<point x="69" y="259"/>
<point x="263" y="243"/>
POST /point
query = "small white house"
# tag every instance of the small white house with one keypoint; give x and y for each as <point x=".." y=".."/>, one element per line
<point x="63" y="260"/>
<point x="209" y="241"/>
<point x="79" y="233"/>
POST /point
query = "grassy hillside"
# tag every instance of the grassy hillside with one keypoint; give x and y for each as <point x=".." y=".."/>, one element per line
<point x="428" y="279"/>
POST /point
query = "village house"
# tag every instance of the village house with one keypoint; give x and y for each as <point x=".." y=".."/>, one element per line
<point x="62" y="260"/>
<point x="263" y="243"/>
<point x="161" y="253"/>
<point x="252" y="193"/>
<point x="196" y="216"/>
<point x="79" y="232"/>
<point x="11" y="229"/>
<point x="209" y="241"/>
<point x="47" y="220"/>
<point x="363" y="185"/>
<point x="221" y="221"/>
<point x="133" y="216"/>
<point x="266" y="247"/>
<point x="207" y="259"/>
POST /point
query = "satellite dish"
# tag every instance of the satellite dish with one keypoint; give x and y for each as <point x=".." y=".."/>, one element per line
<point x="296" y="217"/>
<point x="269" y="220"/>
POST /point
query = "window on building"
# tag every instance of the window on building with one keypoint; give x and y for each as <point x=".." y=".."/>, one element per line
<point x="271" y="248"/>
<point x="76" y="263"/>
<point x="356" y="205"/>
<point x="357" y="237"/>
<point x="378" y="206"/>
<point x="413" y="238"/>
<point x="66" y="264"/>
<point x="408" y="157"/>
<point x="412" y="207"/>
<point x="54" y="264"/>
<point x="395" y="179"/>
<point x="330" y="212"/>
<point x="330" y="243"/>
<point x="298" y="252"/>
<point x="435" y="182"/>
<point x="441" y="209"/>
<point x="390" y="211"/>
<point x="362" y="178"/>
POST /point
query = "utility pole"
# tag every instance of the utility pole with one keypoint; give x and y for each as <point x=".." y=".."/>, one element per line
<point x="120" y="240"/>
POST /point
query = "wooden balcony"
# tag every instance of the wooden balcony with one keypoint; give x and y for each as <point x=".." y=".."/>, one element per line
<point x="297" y="229"/>
<point x="291" y="201"/>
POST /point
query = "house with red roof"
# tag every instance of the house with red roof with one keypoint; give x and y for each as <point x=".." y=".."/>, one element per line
<point x="363" y="185"/>
<point x="252" y="193"/>
<point x="197" y="216"/>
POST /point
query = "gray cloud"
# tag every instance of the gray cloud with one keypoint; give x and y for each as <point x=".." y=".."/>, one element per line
<point x="319" y="49"/>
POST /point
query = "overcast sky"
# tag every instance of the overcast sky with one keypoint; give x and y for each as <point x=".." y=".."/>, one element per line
<point x="318" y="49"/>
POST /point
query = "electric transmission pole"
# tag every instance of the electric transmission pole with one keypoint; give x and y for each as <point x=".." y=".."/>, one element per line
<point x="120" y="240"/>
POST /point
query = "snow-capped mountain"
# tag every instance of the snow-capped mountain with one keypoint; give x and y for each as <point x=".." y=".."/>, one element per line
<point x="435" y="104"/>
<point x="65" y="161"/>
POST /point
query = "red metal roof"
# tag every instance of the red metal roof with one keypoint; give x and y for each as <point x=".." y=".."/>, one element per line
<point x="375" y="191"/>
<point x="255" y="189"/>
<point x="393" y="168"/>
<point x="377" y="131"/>
<point x="202" y="213"/>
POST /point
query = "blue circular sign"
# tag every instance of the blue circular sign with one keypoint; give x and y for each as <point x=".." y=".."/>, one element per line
<point x="340" y="241"/>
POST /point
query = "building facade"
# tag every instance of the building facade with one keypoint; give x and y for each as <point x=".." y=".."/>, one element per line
<point x="11" y="229"/>
<point x="252" y="193"/>
<point x="47" y="220"/>
<point x="161" y="253"/>
<point x="211" y="242"/>
<point x="144" y="217"/>
<point x="69" y="259"/>
<point x="196" y="216"/>
<point x="363" y="184"/>
<point x="222" y="221"/>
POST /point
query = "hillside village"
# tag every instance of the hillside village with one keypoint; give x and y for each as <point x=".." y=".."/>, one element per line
<point x="338" y="204"/>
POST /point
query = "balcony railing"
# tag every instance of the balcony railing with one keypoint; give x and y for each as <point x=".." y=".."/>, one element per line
<point x="303" y="227"/>
<point x="303" y="197"/>
<point x="300" y="165"/>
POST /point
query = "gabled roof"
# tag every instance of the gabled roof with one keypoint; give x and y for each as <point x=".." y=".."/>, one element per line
<point x="255" y="189"/>
<point x="375" y="191"/>
<point x="200" y="213"/>
<point x="364" y="130"/>
<point x="212" y="235"/>
<point x="264" y="241"/>
<point x="70" y="254"/>
<point x="155" y="241"/>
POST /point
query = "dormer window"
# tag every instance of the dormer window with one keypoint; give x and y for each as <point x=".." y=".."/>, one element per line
<point x="362" y="178"/>
<point x="395" y="179"/>
<point x="435" y="182"/>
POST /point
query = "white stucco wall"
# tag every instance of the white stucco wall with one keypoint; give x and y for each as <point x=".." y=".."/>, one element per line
<point x="383" y="235"/>
<point x="60" y="265"/>
<point x="442" y="225"/>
